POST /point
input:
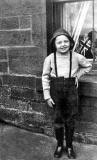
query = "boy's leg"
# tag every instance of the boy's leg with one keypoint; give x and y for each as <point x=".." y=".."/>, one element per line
<point x="57" y="94"/>
<point x="69" y="133"/>
<point x="59" y="130"/>
<point x="72" y="105"/>
<point x="59" y="134"/>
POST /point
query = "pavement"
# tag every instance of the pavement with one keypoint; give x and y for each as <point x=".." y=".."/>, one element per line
<point x="20" y="144"/>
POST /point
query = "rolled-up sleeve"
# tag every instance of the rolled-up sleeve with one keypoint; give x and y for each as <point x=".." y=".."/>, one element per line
<point x="46" y="78"/>
<point x="84" y="66"/>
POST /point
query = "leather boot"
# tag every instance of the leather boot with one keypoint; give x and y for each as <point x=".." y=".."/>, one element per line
<point x="70" y="153"/>
<point x="58" y="152"/>
<point x="59" y="133"/>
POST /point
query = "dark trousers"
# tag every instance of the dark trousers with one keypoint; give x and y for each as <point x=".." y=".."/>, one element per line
<point x="65" y="95"/>
<point x="69" y="132"/>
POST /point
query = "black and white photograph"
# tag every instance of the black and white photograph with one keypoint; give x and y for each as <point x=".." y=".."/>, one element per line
<point x="48" y="79"/>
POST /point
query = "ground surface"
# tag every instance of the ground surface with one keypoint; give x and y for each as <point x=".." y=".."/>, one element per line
<point x="19" y="144"/>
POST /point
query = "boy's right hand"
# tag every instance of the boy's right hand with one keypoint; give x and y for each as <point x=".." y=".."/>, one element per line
<point x="50" y="102"/>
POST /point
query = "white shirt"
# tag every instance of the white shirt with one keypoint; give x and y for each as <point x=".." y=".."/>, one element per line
<point x="80" y="66"/>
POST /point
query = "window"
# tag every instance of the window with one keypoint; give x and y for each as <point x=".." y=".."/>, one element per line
<point x="79" y="18"/>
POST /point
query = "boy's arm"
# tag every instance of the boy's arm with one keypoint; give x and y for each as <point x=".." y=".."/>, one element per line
<point x="85" y="66"/>
<point x="46" y="78"/>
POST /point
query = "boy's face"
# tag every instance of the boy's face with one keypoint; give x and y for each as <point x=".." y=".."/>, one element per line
<point x="62" y="44"/>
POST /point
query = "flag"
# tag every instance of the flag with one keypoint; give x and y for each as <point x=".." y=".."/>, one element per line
<point x="85" y="48"/>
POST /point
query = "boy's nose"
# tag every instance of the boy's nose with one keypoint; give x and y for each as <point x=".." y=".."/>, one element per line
<point x="63" y="43"/>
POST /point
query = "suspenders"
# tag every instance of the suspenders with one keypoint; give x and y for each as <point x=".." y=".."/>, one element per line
<point x="56" y="64"/>
<point x="70" y="64"/>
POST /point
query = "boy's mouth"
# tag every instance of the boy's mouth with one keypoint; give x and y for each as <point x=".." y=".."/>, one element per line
<point x="63" y="48"/>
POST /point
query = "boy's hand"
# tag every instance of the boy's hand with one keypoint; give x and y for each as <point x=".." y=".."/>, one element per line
<point x="76" y="82"/>
<point x="50" y="102"/>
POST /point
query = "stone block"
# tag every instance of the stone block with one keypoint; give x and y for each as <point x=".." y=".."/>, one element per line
<point x="3" y="54"/>
<point x="22" y="81"/>
<point x="28" y="60"/>
<point x="88" y="89"/>
<point x="90" y="77"/>
<point x="36" y="118"/>
<point x="4" y="67"/>
<point x="86" y="101"/>
<point x="89" y="114"/>
<point x="38" y="31"/>
<point x="36" y="24"/>
<point x="22" y="93"/>
<point x="25" y="22"/>
<point x="5" y="96"/>
<point x="14" y="38"/>
<point x="39" y="97"/>
<point x="39" y="84"/>
<point x="16" y="116"/>
<point x="6" y="91"/>
<point x="37" y="39"/>
<point x="11" y="103"/>
<point x="9" y="23"/>
<point x="37" y="106"/>
<point x="15" y="7"/>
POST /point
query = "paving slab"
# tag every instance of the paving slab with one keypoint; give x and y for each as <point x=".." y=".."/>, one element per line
<point x="20" y="144"/>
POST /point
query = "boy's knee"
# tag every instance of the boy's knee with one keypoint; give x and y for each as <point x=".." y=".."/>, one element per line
<point x="70" y="123"/>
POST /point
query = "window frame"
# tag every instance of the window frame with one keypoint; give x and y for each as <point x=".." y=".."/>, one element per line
<point x="54" y="16"/>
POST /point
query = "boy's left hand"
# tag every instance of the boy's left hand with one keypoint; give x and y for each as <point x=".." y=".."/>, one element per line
<point x="50" y="102"/>
<point x="76" y="82"/>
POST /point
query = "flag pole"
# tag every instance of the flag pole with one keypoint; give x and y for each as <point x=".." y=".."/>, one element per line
<point x="77" y="20"/>
<point x="81" y="22"/>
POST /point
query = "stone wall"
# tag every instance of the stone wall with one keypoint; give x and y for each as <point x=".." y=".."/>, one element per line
<point x="22" y="36"/>
<point x="22" y="52"/>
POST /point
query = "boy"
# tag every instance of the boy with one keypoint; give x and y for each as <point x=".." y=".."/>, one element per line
<point x="61" y="72"/>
